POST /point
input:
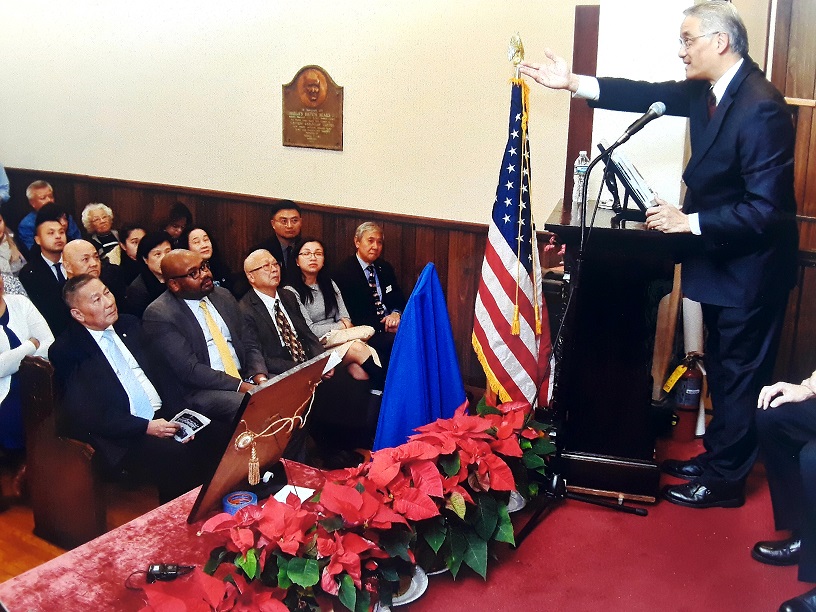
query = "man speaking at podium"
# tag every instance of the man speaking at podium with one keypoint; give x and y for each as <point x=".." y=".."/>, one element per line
<point x="740" y="199"/>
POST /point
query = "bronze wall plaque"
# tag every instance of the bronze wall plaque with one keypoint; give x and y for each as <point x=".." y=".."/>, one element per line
<point x="313" y="111"/>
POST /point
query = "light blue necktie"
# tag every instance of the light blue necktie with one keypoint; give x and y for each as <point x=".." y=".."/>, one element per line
<point x="139" y="402"/>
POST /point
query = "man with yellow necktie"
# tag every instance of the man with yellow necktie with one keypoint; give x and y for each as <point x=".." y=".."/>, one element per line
<point x="198" y="331"/>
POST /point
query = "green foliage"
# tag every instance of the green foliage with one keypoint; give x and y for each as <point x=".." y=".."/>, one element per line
<point x="456" y="502"/>
<point x="434" y="531"/>
<point x="396" y="542"/>
<point x="487" y="515"/>
<point x="304" y="572"/>
<point x="249" y="563"/>
<point x="450" y="464"/>
<point x="504" y="529"/>
<point x="217" y="557"/>
<point x="476" y="553"/>
<point x="532" y="461"/>
<point x="351" y="598"/>
<point x="482" y="408"/>
<point x="543" y="446"/>
<point x="458" y="546"/>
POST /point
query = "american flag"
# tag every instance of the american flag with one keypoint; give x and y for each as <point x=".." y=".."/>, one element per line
<point x="511" y="334"/>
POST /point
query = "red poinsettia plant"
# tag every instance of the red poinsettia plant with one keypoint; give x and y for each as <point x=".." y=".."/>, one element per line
<point x="437" y="500"/>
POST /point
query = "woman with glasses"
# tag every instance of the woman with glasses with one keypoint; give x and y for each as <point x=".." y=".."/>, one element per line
<point x="321" y="304"/>
<point x="198" y="240"/>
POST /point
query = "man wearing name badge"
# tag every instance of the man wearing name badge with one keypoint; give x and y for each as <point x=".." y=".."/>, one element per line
<point x="370" y="289"/>
<point x="44" y="274"/>
<point x="740" y="200"/>
<point x="197" y="330"/>
<point x="118" y="401"/>
<point x="40" y="193"/>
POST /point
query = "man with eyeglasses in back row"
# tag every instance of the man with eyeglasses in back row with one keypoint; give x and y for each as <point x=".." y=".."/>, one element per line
<point x="197" y="330"/>
<point x="740" y="199"/>
<point x="286" y="222"/>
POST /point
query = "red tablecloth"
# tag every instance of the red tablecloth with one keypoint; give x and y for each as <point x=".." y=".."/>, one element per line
<point x="92" y="577"/>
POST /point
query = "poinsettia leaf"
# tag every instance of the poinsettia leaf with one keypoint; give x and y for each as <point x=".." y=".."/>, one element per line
<point x="389" y="573"/>
<point x="332" y="523"/>
<point x="303" y="572"/>
<point x="426" y="477"/>
<point x="283" y="572"/>
<point x="508" y="447"/>
<point x="483" y="408"/>
<point x="249" y="563"/>
<point x="217" y="557"/>
<point x="543" y="446"/>
<point x="532" y="461"/>
<point x="487" y="516"/>
<point x="476" y="553"/>
<point x="415" y="505"/>
<point x="458" y="546"/>
<point x="395" y="542"/>
<point x="450" y="464"/>
<point x="501" y="477"/>
<point x="363" y="601"/>
<point x="525" y="444"/>
<point x="434" y="532"/>
<point x="504" y="528"/>
<point x="348" y="594"/>
<point x="456" y="502"/>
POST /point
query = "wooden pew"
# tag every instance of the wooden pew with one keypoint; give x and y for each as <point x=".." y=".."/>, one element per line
<point x="67" y="494"/>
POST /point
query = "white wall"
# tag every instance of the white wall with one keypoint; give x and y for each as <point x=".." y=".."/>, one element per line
<point x="189" y="93"/>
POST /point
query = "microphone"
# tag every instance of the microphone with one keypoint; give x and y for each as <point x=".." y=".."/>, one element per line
<point x="655" y="110"/>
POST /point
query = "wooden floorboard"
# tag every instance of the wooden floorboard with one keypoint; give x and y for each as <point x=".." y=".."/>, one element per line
<point x="21" y="550"/>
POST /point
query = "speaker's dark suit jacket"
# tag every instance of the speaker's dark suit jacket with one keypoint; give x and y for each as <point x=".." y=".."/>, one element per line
<point x="740" y="182"/>
<point x="265" y="334"/>
<point x="95" y="401"/>
<point x="45" y="292"/>
<point x="357" y="295"/>
<point x="175" y="335"/>
<point x="739" y="179"/>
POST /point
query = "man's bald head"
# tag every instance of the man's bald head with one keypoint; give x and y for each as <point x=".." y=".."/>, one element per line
<point x="263" y="272"/>
<point x="187" y="275"/>
<point x="80" y="257"/>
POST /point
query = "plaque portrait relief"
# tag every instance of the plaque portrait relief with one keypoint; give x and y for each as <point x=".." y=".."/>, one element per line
<point x="313" y="111"/>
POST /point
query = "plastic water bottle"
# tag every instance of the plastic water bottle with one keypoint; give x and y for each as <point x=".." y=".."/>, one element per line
<point x="579" y="176"/>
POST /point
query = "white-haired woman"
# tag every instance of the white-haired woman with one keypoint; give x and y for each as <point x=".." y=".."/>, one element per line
<point x="98" y="221"/>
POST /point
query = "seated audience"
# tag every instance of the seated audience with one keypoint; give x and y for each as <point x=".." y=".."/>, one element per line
<point x="179" y="218"/>
<point x="24" y="332"/>
<point x="130" y="236"/>
<point x="198" y="240"/>
<point x="44" y="275"/>
<point x="81" y="257"/>
<point x="198" y="330"/>
<point x="273" y="317"/>
<point x="150" y="283"/>
<point x="322" y="307"/>
<point x="786" y="427"/>
<point x="117" y="399"/>
<point x="40" y="193"/>
<point x="370" y="289"/>
<point x="286" y="223"/>
<point x="11" y="261"/>
<point x="97" y="218"/>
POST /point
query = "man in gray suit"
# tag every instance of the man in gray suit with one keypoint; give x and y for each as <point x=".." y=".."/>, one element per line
<point x="198" y="331"/>
<point x="260" y="308"/>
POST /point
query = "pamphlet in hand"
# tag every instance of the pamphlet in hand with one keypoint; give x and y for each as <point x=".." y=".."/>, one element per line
<point x="191" y="422"/>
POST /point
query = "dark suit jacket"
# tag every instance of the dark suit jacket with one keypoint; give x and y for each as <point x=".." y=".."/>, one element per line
<point x="265" y="334"/>
<point x="95" y="401"/>
<point x="288" y="267"/>
<point x="45" y="293"/>
<point x="357" y="295"/>
<point x="174" y="333"/>
<point x="739" y="179"/>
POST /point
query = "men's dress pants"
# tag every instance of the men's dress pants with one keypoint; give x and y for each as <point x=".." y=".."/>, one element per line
<point x="787" y="439"/>
<point x="740" y="352"/>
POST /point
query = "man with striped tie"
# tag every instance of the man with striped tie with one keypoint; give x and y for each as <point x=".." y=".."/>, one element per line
<point x="197" y="330"/>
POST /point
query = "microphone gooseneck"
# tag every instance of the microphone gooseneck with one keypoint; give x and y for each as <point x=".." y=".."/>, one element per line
<point x="655" y="110"/>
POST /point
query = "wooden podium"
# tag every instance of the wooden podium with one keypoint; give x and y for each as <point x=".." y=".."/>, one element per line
<point x="602" y="388"/>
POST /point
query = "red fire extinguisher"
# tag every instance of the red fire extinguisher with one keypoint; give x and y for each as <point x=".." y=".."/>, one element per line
<point x="688" y="388"/>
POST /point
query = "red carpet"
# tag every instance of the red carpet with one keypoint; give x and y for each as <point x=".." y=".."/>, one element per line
<point x="583" y="557"/>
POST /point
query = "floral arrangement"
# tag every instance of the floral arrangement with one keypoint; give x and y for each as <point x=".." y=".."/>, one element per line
<point x="436" y="501"/>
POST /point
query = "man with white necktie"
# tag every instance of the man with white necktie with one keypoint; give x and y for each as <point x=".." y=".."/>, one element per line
<point x="118" y="401"/>
<point x="196" y="329"/>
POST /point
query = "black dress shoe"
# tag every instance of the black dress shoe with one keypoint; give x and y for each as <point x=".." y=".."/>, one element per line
<point x="697" y="495"/>
<point x="687" y="470"/>
<point x="778" y="552"/>
<point x="806" y="602"/>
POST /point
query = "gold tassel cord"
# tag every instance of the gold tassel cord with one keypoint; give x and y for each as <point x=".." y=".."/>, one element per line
<point x="248" y="438"/>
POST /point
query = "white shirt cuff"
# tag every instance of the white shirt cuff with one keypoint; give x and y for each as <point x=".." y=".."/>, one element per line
<point x="588" y="88"/>
<point x="694" y="224"/>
